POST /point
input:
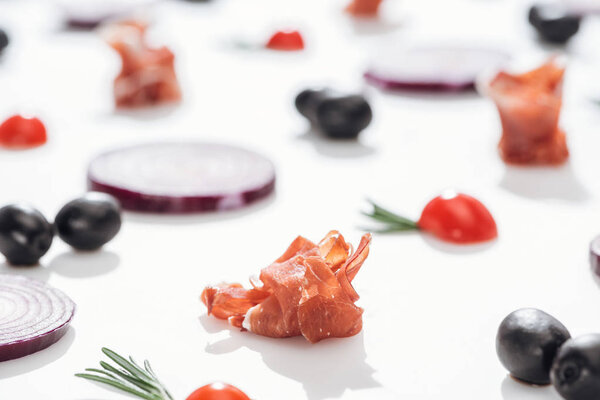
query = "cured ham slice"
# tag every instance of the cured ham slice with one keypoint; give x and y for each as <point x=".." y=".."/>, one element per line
<point x="529" y="106"/>
<point x="364" y="8"/>
<point x="307" y="291"/>
<point x="147" y="75"/>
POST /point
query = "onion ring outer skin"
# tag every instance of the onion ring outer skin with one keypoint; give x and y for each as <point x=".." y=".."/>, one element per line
<point x="32" y="342"/>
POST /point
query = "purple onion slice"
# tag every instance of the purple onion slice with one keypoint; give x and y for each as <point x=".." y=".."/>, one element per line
<point x="88" y="14"/>
<point x="182" y="177"/>
<point x="431" y="68"/>
<point x="33" y="316"/>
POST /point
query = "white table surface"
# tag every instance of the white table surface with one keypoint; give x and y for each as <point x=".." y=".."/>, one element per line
<point x="431" y="310"/>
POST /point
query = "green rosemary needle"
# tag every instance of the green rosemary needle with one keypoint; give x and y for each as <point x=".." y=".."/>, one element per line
<point x="130" y="377"/>
<point x="391" y="222"/>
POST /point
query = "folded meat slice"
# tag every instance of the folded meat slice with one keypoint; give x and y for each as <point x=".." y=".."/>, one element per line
<point x="231" y="301"/>
<point x="326" y="309"/>
<point x="147" y="75"/>
<point x="529" y="106"/>
<point x="307" y="291"/>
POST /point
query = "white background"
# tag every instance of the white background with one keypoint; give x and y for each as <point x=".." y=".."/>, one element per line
<point x="431" y="310"/>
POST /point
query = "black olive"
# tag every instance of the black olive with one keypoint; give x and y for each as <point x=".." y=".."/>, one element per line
<point x="3" y="40"/>
<point x="25" y="235"/>
<point x="527" y="341"/>
<point x="89" y="222"/>
<point x="576" y="369"/>
<point x="553" y="23"/>
<point x="337" y="115"/>
<point x="307" y="101"/>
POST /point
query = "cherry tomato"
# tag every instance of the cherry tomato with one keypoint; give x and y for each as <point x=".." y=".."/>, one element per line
<point x="22" y="132"/>
<point x="458" y="218"/>
<point x="218" y="391"/>
<point x="286" y="40"/>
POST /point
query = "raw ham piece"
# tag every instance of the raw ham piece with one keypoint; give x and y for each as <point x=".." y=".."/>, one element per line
<point x="147" y="75"/>
<point x="364" y="8"/>
<point x="307" y="291"/>
<point x="529" y="106"/>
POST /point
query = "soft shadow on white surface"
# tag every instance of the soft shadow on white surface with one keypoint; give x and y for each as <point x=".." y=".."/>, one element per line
<point x="337" y="148"/>
<point x="74" y="264"/>
<point x="39" y="272"/>
<point x="558" y="183"/>
<point x="107" y="388"/>
<point x="37" y="360"/>
<point x="325" y="369"/>
<point x="456" y="248"/>
<point x="374" y="26"/>
<point x="444" y="247"/>
<point x="433" y="95"/>
<point x="595" y="276"/>
<point x="198" y="218"/>
<point x="568" y="49"/>
<point x="513" y="390"/>
<point x="147" y="113"/>
<point x="71" y="264"/>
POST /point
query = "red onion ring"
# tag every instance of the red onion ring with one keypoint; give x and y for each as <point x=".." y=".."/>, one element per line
<point x="431" y="68"/>
<point x="182" y="177"/>
<point x="33" y="316"/>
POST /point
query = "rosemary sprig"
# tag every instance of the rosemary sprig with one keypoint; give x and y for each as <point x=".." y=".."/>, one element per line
<point x="391" y="221"/>
<point x="130" y="378"/>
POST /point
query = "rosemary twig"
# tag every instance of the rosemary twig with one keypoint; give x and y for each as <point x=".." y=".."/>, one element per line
<point x="130" y="378"/>
<point x="391" y="221"/>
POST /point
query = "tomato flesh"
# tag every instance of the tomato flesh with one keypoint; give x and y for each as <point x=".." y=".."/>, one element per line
<point x="286" y="40"/>
<point x="22" y="132"/>
<point x="218" y="391"/>
<point x="458" y="218"/>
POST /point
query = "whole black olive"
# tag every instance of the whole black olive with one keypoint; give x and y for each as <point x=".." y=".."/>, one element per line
<point x="307" y="101"/>
<point x="576" y="368"/>
<point x="553" y="23"/>
<point x="3" y="40"/>
<point x="25" y="235"/>
<point x="89" y="222"/>
<point x="337" y="115"/>
<point x="527" y="341"/>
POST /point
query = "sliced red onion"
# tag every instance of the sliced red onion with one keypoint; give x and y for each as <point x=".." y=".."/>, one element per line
<point x="88" y="14"/>
<point x="182" y="177"/>
<point x="432" y="68"/>
<point x="595" y="255"/>
<point x="581" y="7"/>
<point x="33" y="316"/>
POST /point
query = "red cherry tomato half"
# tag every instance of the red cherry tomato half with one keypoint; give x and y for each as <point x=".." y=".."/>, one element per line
<point x="218" y="391"/>
<point x="458" y="218"/>
<point x="286" y="40"/>
<point x="22" y="132"/>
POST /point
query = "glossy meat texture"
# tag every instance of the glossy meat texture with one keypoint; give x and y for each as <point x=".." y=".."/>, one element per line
<point x="529" y="105"/>
<point x="364" y="8"/>
<point x="307" y="291"/>
<point x="147" y="75"/>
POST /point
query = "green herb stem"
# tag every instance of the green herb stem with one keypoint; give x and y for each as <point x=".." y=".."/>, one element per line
<point x="391" y="221"/>
<point x="130" y="378"/>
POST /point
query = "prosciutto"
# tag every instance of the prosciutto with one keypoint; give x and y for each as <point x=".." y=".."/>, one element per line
<point x="307" y="291"/>
<point x="529" y="106"/>
<point x="147" y="75"/>
<point x="364" y="8"/>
